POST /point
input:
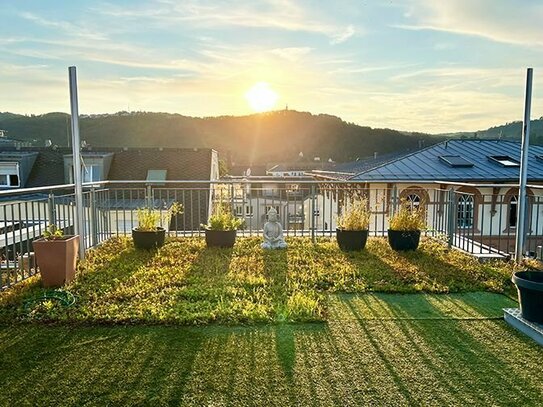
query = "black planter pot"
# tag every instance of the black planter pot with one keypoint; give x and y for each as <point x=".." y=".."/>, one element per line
<point x="530" y="294"/>
<point x="148" y="240"/>
<point x="220" y="238"/>
<point x="401" y="240"/>
<point x="351" y="240"/>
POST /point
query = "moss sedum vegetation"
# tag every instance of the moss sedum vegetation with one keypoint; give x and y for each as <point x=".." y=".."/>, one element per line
<point x="186" y="283"/>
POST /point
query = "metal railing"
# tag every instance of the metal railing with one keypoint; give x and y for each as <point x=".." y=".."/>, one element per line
<point x="480" y="222"/>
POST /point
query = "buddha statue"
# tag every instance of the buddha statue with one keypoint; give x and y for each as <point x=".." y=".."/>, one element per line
<point x="273" y="232"/>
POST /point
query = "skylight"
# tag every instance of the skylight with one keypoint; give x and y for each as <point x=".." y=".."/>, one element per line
<point x="456" y="161"/>
<point x="504" y="160"/>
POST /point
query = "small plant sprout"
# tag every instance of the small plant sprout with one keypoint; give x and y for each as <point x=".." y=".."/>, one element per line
<point x="53" y="233"/>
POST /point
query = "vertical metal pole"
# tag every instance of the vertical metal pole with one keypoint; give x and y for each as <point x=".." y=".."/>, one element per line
<point x="450" y="217"/>
<point x="76" y="147"/>
<point x="51" y="218"/>
<point x="521" y="208"/>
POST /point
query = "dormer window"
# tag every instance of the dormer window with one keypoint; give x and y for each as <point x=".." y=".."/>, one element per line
<point x="9" y="175"/>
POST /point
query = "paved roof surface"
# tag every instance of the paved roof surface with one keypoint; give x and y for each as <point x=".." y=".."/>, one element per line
<point x="425" y="164"/>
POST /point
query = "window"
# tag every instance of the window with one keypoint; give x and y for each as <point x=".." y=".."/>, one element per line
<point x="249" y="210"/>
<point x="91" y="173"/>
<point x="238" y="210"/>
<point x="504" y="160"/>
<point x="9" y="175"/>
<point x="465" y="211"/>
<point x="413" y="201"/>
<point x="513" y="206"/>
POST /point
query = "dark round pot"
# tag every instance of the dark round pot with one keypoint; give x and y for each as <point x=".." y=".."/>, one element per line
<point x="530" y="294"/>
<point x="148" y="240"/>
<point x="220" y="238"/>
<point x="403" y="240"/>
<point x="351" y="240"/>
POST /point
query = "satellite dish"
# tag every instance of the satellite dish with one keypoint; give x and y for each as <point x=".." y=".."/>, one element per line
<point x="248" y="172"/>
<point x="48" y="143"/>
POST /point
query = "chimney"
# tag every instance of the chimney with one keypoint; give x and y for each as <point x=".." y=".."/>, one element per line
<point x="375" y="155"/>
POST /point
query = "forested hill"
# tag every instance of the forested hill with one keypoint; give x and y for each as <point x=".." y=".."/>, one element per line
<point x="508" y="131"/>
<point x="258" y="138"/>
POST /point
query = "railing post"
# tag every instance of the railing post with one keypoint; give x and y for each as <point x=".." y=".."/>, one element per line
<point x="93" y="218"/>
<point x="313" y="213"/>
<point x="394" y="199"/>
<point x="149" y="193"/>
<point x="232" y="209"/>
<point x="450" y="217"/>
<point x="51" y="216"/>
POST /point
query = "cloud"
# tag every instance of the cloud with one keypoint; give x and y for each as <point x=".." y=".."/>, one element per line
<point x="64" y="26"/>
<point x="271" y="14"/>
<point x="343" y="36"/>
<point x="291" y="53"/>
<point x="506" y="21"/>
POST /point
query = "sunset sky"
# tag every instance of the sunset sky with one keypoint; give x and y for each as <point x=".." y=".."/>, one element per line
<point x="420" y="65"/>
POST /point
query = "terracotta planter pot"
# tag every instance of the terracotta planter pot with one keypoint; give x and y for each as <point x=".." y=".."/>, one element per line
<point x="148" y="240"/>
<point x="401" y="240"/>
<point x="56" y="260"/>
<point x="351" y="240"/>
<point x="220" y="238"/>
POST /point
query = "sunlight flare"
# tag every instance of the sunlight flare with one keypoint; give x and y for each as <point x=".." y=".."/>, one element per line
<point x="261" y="97"/>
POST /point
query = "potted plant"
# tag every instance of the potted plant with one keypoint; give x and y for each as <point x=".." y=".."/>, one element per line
<point x="352" y="226"/>
<point x="148" y="234"/>
<point x="221" y="228"/>
<point x="56" y="256"/>
<point x="530" y="294"/>
<point x="404" y="228"/>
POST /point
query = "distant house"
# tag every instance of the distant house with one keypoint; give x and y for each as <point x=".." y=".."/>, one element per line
<point x="254" y="196"/>
<point x="485" y="209"/>
<point x="36" y="167"/>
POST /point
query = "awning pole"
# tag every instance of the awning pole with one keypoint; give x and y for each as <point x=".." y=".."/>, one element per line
<point x="521" y="209"/>
<point x="76" y="151"/>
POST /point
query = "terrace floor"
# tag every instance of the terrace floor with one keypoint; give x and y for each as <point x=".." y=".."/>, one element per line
<point x="375" y="349"/>
<point x="306" y="326"/>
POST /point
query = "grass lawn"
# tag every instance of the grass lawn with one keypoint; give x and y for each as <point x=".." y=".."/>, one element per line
<point x="186" y="283"/>
<point x="375" y="349"/>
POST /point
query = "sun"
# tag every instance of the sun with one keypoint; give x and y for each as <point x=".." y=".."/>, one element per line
<point x="261" y="97"/>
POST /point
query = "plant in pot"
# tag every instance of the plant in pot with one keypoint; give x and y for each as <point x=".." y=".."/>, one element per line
<point x="56" y="256"/>
<point x="150" y="233"/>
<point x="405" y="226"/>
<point x="221" y="228"/>
<point x="352" y="226"/>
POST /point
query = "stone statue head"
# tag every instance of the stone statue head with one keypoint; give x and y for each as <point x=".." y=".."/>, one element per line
<point x="272" y="215"/>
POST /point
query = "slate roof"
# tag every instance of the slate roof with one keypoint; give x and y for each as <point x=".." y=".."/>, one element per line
<point x="344" y="171"/>
<point x="130" y="164"/>
<point x="425" y="164"/>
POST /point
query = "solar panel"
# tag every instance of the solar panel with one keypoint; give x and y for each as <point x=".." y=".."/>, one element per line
<point x="504" y="160"/>
<point x="455" y="161"/>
